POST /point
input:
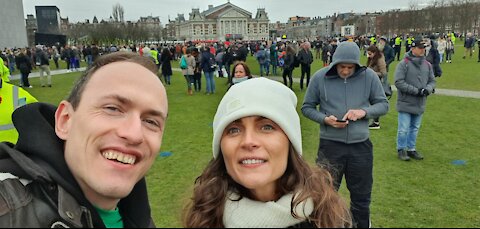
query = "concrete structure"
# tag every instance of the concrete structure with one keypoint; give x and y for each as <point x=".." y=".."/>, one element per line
<point x="226" y="21"/>
<point x="32" y="28"/>
<point x="48" y="19"/>
<point x="12" y="24"/>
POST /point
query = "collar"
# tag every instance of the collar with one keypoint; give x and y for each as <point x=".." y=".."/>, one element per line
<point x="255" y="214"/>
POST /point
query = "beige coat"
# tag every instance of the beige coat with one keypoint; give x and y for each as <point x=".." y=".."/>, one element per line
<point x="190" y="64"/>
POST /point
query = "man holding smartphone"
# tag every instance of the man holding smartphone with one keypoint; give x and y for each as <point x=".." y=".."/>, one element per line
<point x="347" y="96"/>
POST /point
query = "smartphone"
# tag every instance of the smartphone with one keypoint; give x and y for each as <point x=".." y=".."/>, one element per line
<point x="340" y="120"/>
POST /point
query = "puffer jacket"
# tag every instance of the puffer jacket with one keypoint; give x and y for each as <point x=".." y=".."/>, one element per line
<point x="411" y="75"/>
<point x="38" y="190"/>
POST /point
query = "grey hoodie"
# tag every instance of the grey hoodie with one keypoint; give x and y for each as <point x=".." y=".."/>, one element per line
<point x="335" y="96"/>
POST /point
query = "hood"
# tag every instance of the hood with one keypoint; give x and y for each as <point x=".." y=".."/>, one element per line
<point x="35" y="123"/>
<point x="346" y="53"/>
<point x="417" y="60"/>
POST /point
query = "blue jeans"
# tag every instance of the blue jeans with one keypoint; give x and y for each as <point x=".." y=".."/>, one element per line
<point x="274" y="68"/>
<point x="11" y="67"/>
<point x="264" y="68"/>
<point x="408" y="126"/>
<point x="210" y="82"/>
<point x="89" y="60"/>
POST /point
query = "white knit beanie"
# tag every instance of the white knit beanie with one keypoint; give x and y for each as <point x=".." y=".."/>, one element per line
<point x="262" y="97"/>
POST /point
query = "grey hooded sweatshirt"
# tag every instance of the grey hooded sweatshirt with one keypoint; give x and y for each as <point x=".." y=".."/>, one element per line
<point x="335" y="96"/>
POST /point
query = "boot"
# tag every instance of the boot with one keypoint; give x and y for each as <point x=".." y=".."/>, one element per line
<point x="190" y="92"/>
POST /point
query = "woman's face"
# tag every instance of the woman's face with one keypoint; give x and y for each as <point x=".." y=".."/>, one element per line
<point x="370" y="54"/>
<point x="255" y="151"/>
<point x="240" y="71"/>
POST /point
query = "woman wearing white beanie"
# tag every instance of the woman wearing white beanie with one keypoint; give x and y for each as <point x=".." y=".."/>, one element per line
<point x="257" y="177"/>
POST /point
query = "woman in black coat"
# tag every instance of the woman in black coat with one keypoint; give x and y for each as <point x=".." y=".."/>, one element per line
<point x="165" y="59"/>
<point x="24" y="64"/>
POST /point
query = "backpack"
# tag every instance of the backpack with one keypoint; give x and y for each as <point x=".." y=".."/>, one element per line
<point x="183" y="62"/>
<point x="261" y="57"/>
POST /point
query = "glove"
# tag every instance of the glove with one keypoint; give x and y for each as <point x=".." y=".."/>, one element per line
<point x="423" y="92"/>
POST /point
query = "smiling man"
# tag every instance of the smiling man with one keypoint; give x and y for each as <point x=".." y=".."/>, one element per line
<point x="82" y="164"/>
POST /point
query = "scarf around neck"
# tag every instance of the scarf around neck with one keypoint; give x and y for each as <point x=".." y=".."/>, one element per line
<point x="249" y="213"/>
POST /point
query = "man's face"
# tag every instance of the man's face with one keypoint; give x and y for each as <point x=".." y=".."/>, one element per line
<point x="345" y="70"/>
<point x="114" y="135"/>
<point x="416" y="51"/>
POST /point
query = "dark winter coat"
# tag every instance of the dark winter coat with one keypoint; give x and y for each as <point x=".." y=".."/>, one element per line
<point x="48" y="195"/>
<point x="24" y="63"/>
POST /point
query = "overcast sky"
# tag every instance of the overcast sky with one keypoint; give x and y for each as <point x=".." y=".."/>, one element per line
<point x="277" y="10"/>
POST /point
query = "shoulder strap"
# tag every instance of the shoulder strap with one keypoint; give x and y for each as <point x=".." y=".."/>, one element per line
<point x="406" y="60"/>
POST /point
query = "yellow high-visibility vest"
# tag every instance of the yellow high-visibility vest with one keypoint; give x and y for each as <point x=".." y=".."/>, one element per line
<point x="453" y="38"/>
<point x="154" y="54"/>
<point x="11" y="98"/>
<point x="398" y="41"/>
<point x="4" y="71"/>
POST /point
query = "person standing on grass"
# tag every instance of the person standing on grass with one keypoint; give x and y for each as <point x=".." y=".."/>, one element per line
<point x="165" y="61"/>
<point x="24" y="65"/>
<point x="258" y="177"/>
<point x="208" y="66"/>
<point x="342" y="98"/>
<point x="376" y="62"/>
<point x="415" y="81"/>
<point x="83" y="163"/>
<point x="43" y="63"/>
<point x="189" y="70"/>
<point x="289" y="66"/>
<point x="305" y="57"/>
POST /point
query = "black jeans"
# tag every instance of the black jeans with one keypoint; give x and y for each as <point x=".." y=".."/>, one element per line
<point x="355" y="161"/>
<point x="197" y="81"/>
<point x="287" y="73"/>
<point x="25" y="81"/>
<point x="305" y="71"/>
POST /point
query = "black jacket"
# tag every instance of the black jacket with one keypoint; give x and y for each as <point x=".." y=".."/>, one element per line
<point x="305" y="57"/>
<point x="52" y="197"/>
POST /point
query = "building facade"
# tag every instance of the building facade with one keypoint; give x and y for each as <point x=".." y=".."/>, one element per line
<point x="223" y="22"/>
<point x="12" y="24"/>
<point x="32" y="28"/>
<point x="48" y="19"/>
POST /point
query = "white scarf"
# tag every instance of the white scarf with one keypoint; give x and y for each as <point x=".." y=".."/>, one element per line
<point x="248" y="213"/>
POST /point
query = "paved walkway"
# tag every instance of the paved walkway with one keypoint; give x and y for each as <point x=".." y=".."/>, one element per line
<point x="438" y="91"/>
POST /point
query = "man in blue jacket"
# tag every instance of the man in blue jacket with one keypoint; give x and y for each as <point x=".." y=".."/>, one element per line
<point x="347" y="96"/>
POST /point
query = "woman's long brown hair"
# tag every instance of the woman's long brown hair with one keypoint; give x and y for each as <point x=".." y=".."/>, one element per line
<point x="304" y="181"/>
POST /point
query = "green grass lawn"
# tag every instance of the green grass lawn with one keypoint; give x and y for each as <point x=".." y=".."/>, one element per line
<point x="429" y="193"/>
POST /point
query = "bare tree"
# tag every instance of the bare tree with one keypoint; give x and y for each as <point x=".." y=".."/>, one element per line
<point x="118" y="13"/>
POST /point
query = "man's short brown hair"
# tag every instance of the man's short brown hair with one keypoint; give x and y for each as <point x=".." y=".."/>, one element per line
<point x="77" y="91"/>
